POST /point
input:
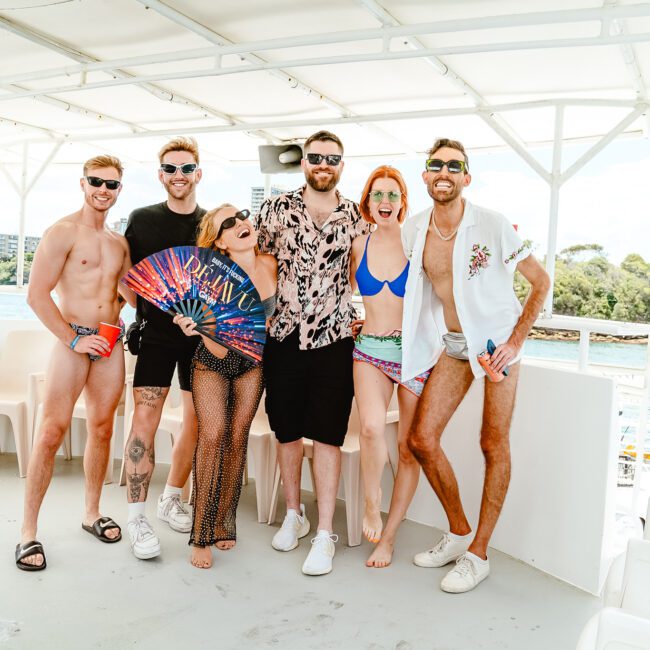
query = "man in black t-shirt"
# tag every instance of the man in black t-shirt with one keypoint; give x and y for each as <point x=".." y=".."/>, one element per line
<point x="163" y="347"/>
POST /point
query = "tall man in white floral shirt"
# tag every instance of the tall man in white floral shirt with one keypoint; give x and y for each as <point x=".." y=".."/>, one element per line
<point x="308" y="355"/>
<point x="460" y="287"/>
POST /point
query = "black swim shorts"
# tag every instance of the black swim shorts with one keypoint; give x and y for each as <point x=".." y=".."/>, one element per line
<point x="308" y="392"/>
<point x="156" y="363"/>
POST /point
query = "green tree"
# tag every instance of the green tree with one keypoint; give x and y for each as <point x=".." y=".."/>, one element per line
<point x="8" y="269"/>
<point x="596" y="288"/>
<point x="636" y="265"/>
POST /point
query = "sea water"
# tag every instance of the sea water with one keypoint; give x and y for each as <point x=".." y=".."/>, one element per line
<point x="13" y="306"/>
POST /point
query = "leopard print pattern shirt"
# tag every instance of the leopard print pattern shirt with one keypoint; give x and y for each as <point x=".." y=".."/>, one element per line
<point x="314" y="292"/>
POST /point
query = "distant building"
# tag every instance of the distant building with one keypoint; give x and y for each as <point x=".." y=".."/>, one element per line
<point x="119" y="226"/>
<point x="9" y="245"/>
<point x="257" y="196"/>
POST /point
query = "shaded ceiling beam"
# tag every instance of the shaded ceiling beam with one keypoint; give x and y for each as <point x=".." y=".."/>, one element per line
<point x="75" y="108"/>
<point x="604" y="141"/>
<point x="446" y="71"/>
<point x="217" y="39"/>
<point x="29" y="127"/>
<point x="317" y="61"/>
<point x="291" y="80"/>
<point x="86" y="60"/>
<point x="377" y="117"/>
<point x="64" y="50"/>
<point x="619" y="26"/>
<point x="383" y="34"/>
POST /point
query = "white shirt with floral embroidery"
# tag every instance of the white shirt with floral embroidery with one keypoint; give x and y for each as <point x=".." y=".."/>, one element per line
<point x="486" y="252"/>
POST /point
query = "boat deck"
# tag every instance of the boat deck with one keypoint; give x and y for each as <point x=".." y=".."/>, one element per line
<point x="95" y="595"/>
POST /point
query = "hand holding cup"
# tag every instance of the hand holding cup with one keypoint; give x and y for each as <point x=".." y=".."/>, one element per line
<point x="110" y="333"/>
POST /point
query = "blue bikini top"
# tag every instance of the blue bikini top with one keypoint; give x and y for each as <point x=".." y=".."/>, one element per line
<point x="370" y="286"/>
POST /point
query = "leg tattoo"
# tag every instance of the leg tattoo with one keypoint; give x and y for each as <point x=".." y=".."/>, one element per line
<point x="139" y="478"/>
<point x="148" y="395"/>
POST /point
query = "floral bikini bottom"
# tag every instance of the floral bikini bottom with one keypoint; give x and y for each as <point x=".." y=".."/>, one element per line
<point x="385" y="353"/>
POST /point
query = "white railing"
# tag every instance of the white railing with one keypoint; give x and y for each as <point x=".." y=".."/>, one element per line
<point x="616" y="328"/>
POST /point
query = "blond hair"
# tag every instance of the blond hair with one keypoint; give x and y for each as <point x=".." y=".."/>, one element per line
<point x="103" y="161"/>
<point x="207" y="236"/>
<point x="180" y="144"/>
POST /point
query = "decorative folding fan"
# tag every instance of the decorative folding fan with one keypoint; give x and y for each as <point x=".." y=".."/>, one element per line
<point x="209" y="288"/>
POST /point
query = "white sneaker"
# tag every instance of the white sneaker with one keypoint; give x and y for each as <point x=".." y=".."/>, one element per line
<point x="319" y="559"/>
<point x="144" y="542"/>
<point x="445" y="551"/>
<point x="293" y="528"/>
<point x="172" y="510"/>
<point x="467" y="573"/>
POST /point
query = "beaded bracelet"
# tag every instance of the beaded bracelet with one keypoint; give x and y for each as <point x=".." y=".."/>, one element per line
<point x="74" y="341"/>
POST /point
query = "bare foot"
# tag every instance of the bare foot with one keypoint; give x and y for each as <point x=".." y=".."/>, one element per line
<point x="382" y="555"/>
<point x="372" y="524"/>
<point x="225" y="544"/>
<point x="201" y="557"/>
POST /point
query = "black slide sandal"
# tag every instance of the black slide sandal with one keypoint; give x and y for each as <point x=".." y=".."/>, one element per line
<point x="27" y="550"/>
<point x="99" y="528"/>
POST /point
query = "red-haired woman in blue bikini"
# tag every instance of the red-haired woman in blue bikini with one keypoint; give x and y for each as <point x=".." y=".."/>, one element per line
<point x="380" y="269"/>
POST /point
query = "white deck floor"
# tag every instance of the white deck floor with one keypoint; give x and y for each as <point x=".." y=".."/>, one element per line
<point x="95" y="595"/>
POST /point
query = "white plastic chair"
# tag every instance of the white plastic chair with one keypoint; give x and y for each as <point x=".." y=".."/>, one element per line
<point x="613" y="629"/>
<point x="261" y="443"/>
<point x="628" y="581"/>
<point x="23" y="352"/>
<point x="636" y="579"/>
<point x="350" y="472"/>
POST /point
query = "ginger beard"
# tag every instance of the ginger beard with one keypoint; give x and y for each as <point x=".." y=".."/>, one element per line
<point x="323" y="179"/>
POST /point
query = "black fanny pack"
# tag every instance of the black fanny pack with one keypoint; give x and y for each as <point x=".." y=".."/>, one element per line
<point x="133" y="336"/>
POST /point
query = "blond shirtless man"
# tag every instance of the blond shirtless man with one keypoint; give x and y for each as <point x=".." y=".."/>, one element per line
<point x="460" y="285"/>
<point x="82" y="261"/>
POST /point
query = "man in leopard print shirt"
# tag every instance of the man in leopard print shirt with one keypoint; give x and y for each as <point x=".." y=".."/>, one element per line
<point x="308" y="355"/>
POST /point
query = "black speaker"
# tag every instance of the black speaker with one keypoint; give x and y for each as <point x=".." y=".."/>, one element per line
<point x="283" y="158"/>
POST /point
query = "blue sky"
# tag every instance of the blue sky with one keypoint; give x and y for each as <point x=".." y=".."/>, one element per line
<point x="607" y="202"/>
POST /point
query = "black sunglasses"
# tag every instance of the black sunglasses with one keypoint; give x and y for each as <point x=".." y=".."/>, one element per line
<point x="95" y="181"/>
<point x="228" y="223"/>
<point x="454" y="166"/>
<point x="186" y="169"/>
<point x="317" y="158"/>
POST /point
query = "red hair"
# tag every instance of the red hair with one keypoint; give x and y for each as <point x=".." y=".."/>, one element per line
<point x="385" y="171"/>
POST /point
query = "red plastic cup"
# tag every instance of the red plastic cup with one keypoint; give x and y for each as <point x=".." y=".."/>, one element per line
<point x="110" y="333"/>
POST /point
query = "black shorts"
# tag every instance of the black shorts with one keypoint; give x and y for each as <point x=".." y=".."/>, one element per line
<point x="308" y="392"/>
<point x="156" y="363"/>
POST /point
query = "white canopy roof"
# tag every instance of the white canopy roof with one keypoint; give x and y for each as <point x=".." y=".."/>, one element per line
<point x="388" y="76"/>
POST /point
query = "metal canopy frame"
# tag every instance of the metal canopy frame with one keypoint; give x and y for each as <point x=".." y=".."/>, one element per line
<point x="614" y="31"/>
